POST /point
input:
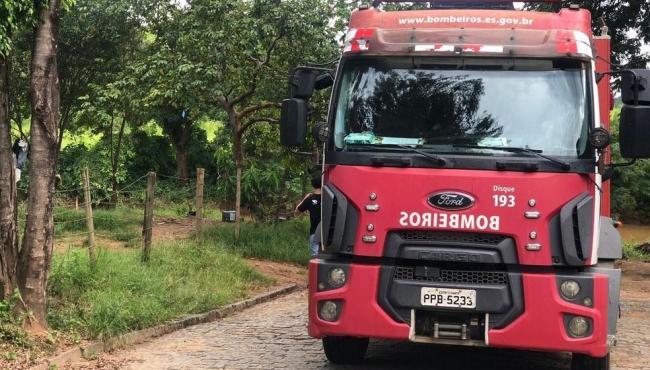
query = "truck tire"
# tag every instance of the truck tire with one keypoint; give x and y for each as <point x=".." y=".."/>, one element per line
<point x="345" y="350"/>
<point x="584" y="362"/>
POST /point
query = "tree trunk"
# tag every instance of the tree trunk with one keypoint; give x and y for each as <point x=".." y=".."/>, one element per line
<point x="238" y="156"/>
<point x="280" y="201"/>
<point x="36" y="253"/>
<point x="63" y="124"/>
<point x="8" y="229"/>
<point x="115" y="161"/>
<point x="181" y="162"/>
<point x="179" y="134"/>
<point x="239" y="164"/>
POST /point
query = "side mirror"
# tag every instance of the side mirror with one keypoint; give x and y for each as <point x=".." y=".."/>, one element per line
<point x="293" y="122"/>
<point x="302" y="83"/>
<point x="635" y="87"/>
<point x="635" y="114"/>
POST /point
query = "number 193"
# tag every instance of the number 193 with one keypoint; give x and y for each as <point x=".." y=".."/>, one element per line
<point x="504" y="201"/>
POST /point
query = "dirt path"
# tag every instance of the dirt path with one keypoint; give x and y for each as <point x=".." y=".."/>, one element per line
<point x="171" y="228"/>
<point x="632" y="351"/>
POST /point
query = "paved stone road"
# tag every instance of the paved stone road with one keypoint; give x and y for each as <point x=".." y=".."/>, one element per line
<point x="273" y="336"/>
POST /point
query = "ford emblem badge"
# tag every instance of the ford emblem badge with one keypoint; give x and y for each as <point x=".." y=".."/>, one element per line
<point x="451" y="200"/>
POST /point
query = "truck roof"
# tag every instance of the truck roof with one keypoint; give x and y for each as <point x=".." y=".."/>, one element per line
<point x="566" y="33"/>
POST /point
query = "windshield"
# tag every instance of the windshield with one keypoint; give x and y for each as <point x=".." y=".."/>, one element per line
<point x="460" y="111"/>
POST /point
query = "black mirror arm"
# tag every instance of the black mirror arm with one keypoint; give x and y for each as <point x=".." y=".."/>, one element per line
<point x="324" y="81"/>
<point x="607" y="170"/>
<point x="600" y="75"/>
<point x="320" y="69"/>
<point x="638" y="82"/>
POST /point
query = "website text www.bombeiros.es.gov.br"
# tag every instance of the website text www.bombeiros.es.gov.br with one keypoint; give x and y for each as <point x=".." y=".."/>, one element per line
<point x="503" y="21"/>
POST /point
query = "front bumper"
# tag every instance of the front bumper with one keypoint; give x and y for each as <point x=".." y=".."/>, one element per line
<point x="540" y="324"/>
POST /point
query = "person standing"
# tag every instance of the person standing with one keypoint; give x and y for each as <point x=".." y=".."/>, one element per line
<point x="311" y="203"/>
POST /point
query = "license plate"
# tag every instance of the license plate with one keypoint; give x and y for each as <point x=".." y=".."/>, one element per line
<point x="448" y="297"/>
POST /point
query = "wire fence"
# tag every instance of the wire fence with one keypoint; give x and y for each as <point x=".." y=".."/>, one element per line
<point x="100" y="217"/>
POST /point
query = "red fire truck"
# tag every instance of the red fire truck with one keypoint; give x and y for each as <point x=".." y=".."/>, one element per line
<point x="465" y="180"/>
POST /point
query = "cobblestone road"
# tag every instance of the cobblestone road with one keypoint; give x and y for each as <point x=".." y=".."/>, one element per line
<point x="273" y="336"/>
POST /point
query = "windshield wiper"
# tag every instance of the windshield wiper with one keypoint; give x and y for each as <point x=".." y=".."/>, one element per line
<point x="433" y="157"/>
<point x="512" y="149"/>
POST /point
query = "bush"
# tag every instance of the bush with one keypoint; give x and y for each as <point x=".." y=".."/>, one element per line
<point x="10" y="325"/>
<point x="634" y="253"/>
<point x="630" y="195"/>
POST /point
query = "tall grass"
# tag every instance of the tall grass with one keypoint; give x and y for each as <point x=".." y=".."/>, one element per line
<point x="283" y="241"/>
<point x="633" y="253"/>
<point x="70" y="221"/>
<point x="123" y="294"/>
<point x="120" y="224"/>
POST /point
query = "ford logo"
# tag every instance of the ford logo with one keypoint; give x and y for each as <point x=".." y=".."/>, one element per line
<point x="451" y="200"/>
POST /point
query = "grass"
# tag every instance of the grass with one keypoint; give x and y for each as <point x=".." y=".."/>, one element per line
<point x="283" y="241"/>
<point x="180" y="209"/>
<point x="114" y="222"/>
<point x="631" y="252"/>
<point x="123" y="294"/>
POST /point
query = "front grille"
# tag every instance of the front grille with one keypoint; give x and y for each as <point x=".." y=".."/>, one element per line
<point x="454" y="276"/>
<point x="447" y="236"/>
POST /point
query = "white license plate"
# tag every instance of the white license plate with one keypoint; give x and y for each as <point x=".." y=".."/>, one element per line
<point x="448" y="297"/>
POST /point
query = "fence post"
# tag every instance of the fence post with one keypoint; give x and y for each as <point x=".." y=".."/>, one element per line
<point x="147" y="228"/>
<point x="89" y="218"/>
<point x="200" y="176"/>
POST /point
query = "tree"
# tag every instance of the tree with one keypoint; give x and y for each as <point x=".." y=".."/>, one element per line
<point x="630" y="184"/>
<point x="108" y="110"/>
<point x="38" y="242"/>
<point x="177" y="124"/>
<point x="622" y="18"/>
<point x="99" y="39"/>
<point x="14" y="13"/>
<point x="173" y="80"/>
<point x="242" y="52"/>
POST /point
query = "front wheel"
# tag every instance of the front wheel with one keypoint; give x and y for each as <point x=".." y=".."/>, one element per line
<point x="584" y="362"/>
<point x="345" y="350"/>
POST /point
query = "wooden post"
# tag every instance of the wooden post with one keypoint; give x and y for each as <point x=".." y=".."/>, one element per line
<point x="147" y="228"/>
<point x="89" y="218"/>
<point x="200" y="175"/>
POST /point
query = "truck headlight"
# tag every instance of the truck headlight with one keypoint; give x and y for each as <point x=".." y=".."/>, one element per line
<point x="579" y="326"/>
<point x="329" y="311"/>
<point x="336" y="277"/>
<point x="570" y="289"/>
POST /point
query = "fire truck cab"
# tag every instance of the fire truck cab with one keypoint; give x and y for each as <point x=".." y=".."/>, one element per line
<point x="465" y="181"/>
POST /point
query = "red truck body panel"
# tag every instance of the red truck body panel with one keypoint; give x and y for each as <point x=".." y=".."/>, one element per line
<point x="603" y="50"/>
<point x="402" y="190"/>
<point x="566" y="19"/>
<point x="477" y="32"/>
<point x="539" y="328"/>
